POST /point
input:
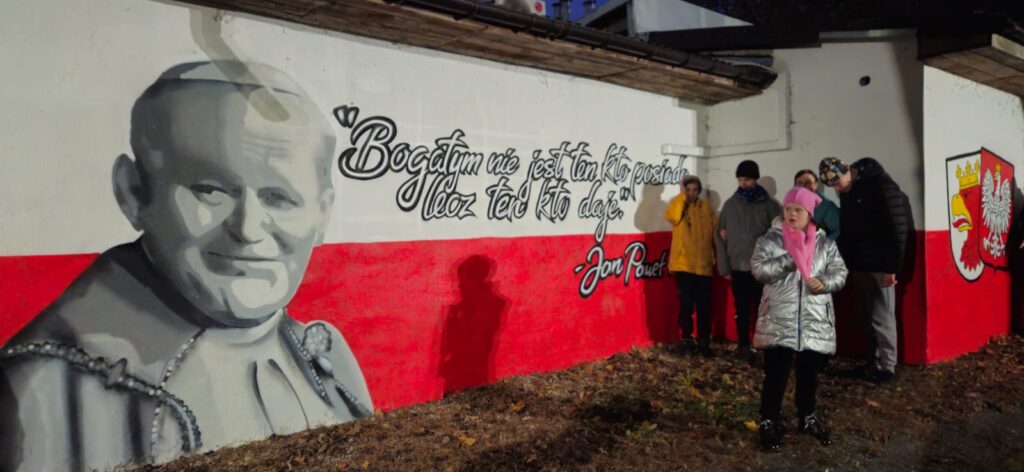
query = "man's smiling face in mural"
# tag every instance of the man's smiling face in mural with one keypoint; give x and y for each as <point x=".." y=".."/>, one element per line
<point x="231" y="188"/>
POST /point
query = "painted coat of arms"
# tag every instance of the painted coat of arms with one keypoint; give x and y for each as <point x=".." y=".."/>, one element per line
<point x="980" y="192"/>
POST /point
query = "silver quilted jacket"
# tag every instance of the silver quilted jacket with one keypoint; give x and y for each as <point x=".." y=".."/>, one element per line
<point x="791" y="315"/>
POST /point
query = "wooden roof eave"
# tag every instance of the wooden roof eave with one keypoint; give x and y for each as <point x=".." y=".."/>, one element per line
<point x="418" y="27"/>
<point x="990" y="59"/>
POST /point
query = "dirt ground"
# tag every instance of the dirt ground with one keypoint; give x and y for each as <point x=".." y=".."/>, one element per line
<point x="654" y="410"/>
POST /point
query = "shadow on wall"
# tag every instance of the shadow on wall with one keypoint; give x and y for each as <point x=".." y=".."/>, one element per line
<point x="660" y="300"/>
<point x="715" y="199"/>
<point x="771" y="187"/>
<point x="650" y="212"/>
<point x="469" y="338"/>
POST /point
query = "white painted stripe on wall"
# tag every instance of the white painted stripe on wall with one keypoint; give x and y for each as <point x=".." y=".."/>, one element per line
<point x="833" y="115"/>
<point x="66" y="102"/>
<point x="962" y="116"/>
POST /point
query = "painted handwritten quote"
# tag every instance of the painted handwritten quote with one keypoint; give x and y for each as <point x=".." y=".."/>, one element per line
<point x="433" y="173"/>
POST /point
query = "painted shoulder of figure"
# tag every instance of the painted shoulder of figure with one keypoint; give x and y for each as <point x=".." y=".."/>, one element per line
<point x="43" y="366"/>
<point x="110" y="310"/>
<point x="329" y="364"/>
<point x="67" y="317"/>
<point x="98" y="300"/>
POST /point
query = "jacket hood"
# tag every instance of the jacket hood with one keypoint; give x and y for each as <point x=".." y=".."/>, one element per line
<point x="869" y="168"/>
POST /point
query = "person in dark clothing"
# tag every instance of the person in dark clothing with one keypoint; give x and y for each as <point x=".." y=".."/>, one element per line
<point x="874" y="224"/>
<point x="745" y="216"/>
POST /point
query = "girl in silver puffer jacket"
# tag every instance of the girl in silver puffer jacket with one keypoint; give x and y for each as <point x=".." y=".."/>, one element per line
<point x="800" y="269"/>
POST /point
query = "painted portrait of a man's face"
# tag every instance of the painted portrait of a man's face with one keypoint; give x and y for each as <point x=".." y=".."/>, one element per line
<point x="183" y="331"/>
<point x="235" y="193"/>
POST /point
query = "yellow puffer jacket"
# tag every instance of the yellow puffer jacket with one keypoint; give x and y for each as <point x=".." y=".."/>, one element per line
<point x="693" y="238"/>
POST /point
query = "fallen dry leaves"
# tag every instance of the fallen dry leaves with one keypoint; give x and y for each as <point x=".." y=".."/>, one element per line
<point x="654" y="410"/>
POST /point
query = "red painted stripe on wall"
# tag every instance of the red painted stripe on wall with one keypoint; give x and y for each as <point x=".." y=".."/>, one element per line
<point x="962" y="316"/>
<point x="29" y="283"/>
<point x="428" y="317"/>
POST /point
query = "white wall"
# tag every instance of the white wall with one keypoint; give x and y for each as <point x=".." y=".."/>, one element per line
<point x="833" y="115"/>
<point x="72" y="70"/>
<point x="962" y="116"/>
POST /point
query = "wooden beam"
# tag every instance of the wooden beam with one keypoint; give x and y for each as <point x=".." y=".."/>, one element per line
<point x="417" y="27"/>
<point x="998" y="63"/>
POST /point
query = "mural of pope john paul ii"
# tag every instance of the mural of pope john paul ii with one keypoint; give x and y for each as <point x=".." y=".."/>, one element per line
<point x="180" y="341"/>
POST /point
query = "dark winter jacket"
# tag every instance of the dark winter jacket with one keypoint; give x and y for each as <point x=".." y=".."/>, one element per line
<point x="743" y="222"/>
<point x="874" y="220"/>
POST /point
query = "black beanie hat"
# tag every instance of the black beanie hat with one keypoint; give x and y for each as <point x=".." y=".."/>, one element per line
<point x="748" y="169"/>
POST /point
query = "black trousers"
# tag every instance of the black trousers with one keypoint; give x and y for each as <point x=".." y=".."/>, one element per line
<point x="746" y="292"/>
<point x="694" y="291"/>
<point x="777" y="364"/>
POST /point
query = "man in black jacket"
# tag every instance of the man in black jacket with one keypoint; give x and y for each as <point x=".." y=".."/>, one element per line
<point x="874" y="222"/>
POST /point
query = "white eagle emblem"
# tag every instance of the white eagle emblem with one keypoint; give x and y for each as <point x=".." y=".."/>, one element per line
<point x="996" y="205"/>
<point x="980" y="189"/>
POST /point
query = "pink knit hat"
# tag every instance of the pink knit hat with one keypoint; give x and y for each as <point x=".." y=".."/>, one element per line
<point x="803" y="197"/>
<point x="800" y="244"/>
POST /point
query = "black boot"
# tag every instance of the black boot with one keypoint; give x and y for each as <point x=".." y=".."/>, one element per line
<point x="771" y="435"/>
<point x="812" y="426"/>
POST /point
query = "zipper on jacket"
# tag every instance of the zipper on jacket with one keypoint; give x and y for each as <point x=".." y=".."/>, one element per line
<point x="799" y="309"/>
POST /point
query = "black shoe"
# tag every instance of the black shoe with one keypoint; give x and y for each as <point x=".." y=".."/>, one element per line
<point x="705" y="350"/>
<point x="771" y="435"/>
<point x="882" y="377"/>
<point x="812" y="426"/>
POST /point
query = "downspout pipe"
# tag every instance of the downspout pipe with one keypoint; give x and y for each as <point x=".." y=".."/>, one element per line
<point x="562" y="30"/>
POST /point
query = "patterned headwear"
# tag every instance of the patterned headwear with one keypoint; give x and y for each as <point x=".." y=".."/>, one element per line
<point x="831" y="169"/>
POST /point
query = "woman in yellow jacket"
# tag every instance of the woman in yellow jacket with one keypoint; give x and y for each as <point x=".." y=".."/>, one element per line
<point x="692" y="259"/>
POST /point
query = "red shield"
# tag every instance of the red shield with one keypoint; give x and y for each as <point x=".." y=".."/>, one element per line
<point x="980" y="197"/>
<point x="996" y="208"/>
